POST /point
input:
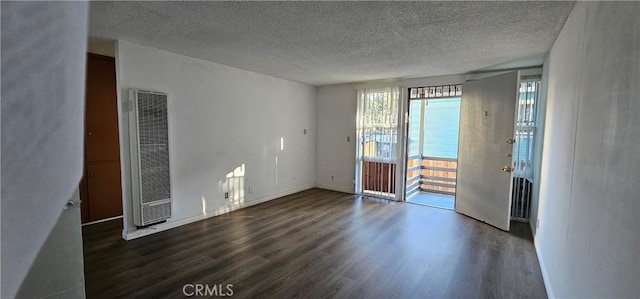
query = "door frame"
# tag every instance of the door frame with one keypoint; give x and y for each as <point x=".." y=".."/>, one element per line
<point x="422" y="127"/>
<point x="460" y="79"/>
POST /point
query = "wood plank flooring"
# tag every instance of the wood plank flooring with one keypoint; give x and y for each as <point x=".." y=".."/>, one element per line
<point x="319" y="244"/>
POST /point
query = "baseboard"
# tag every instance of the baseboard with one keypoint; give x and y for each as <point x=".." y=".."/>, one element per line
<point x="102" y="220"/>
<point x="222" y="210"/>
<point x="335" y="188"/>
<point x="545" y="276"/>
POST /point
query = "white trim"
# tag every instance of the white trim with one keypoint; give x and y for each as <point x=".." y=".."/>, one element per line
<point x="401" y="149"/>
<point x="435" y="80"/>
<point x="222" y="210"/>
<point x="123" y="106"/>
<point x="374" y="84"/>
<point x="441" y="80"/>
<point x="379" y="194"/>
<point x="102" y="220"/>
<point x="335" y="188"/>
<point x="543" y="270"/>
<point x="521" y="72"/>
<point x="423" y="106"/>
<point x="378" y="159"/>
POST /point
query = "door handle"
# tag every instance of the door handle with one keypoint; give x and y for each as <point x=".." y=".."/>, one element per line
<point x="70" y="204"/>
<point x="507" y="169"/>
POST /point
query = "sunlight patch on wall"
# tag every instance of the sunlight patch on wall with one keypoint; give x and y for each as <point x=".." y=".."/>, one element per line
<point x="232" y="187"/>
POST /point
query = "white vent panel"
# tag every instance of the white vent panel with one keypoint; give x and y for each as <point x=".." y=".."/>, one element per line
<point x="149" y="132"/>
<point x="156" y="213"/>
<point x="153" y="128"/>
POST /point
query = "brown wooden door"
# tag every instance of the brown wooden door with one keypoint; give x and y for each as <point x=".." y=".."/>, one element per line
<point x="101" y="190"/>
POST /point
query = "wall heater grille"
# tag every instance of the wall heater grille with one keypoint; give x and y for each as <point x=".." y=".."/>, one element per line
<point x="149" y="136"/>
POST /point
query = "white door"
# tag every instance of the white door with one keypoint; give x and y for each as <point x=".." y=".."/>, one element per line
<point x="487" y="116"/>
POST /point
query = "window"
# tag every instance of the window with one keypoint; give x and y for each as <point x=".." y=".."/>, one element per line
<point x="377" y="151"/>
<point x="379" y="125"/>
<point x="526" y="127"/>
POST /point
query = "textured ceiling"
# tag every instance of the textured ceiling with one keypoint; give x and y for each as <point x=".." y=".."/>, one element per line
<point x="323" y="43"/>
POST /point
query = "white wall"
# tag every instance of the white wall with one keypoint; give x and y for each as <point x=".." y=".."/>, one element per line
<point x="335" y="121"/>
<point x="589" y="208"/>
<point x="101" y="46"/>
<point x="43" y="70"/>
<point x="221" y="118"/>
<point x="60" y="253"/>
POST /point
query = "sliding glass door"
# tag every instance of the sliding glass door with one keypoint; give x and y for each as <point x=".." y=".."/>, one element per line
<point x="432" y="150"/>
<point x="378" y="147"/>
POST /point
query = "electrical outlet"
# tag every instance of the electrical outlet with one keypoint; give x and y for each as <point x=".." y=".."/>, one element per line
<point x="348" y="138"/>
<point x="226" y="195"/>
<point x="332" y="178"/>
<point x="250" y="190"/>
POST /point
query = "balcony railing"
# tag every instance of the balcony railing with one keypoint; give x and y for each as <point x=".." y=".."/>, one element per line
<point x="428" y="174"/>
<point x="431" y="174"/>
<point x="378" y="176"/>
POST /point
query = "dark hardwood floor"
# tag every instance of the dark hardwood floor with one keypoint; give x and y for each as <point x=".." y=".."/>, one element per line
<point x="318" y="244"/>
